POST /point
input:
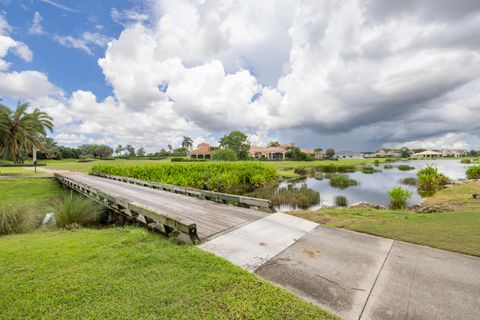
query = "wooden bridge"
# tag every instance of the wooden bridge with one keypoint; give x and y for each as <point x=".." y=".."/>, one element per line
<point x="190" y="214"/>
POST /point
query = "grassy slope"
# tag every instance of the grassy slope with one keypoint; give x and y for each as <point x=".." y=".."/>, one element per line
<point x="456" y="231"/>
<point x="130" y="273"/>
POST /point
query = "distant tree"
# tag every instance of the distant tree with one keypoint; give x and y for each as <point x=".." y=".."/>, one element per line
<point x="170" y="148"/>
<point x="95" y="150"/>
<point x="224" y="154"/>
<point x="103" y="151"/>
<point x="187" y="142"/>
<point x="141" y="152"/>
<point x="130" y="150"/>
<point x="405" y="152"/>
<point x="163" y="153"/>
<point x="119" y="149"/>
<point x="294" y="153"/>
<point x="330" y="153"/>
<point x="273" y="144"/>
<point x="473" y="153"/>
<point x="21" y="131"/>
<point x="50" y="150"/>
<point x="69" y="153"/>
<point x="179" y="152"/>
<point x="238" y="142"/>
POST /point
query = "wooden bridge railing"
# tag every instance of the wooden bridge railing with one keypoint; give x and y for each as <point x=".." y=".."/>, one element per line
<point x="248" y="202"/>
<point x="172" y="226"/>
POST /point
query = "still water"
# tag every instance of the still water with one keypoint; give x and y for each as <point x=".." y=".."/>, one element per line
<point x="373" y="188"/>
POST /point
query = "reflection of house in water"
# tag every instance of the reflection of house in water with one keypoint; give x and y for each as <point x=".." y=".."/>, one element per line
<point x="203" y="151"/>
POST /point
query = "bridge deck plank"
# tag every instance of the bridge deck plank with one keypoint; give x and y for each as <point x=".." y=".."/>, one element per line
<point x="210" y="217"/>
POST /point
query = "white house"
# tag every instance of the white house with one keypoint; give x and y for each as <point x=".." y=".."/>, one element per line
<point x="456" y="153"/>
<point x="349" y="155"/>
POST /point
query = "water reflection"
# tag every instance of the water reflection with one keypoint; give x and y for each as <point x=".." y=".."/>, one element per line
<point x="373" y="187"/>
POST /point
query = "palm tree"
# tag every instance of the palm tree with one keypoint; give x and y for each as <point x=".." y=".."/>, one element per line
<point x="21" y="131"/>
<point x="187" y="142"/>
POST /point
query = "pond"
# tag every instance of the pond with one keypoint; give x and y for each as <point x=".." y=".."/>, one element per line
<point x="373" y="187"/>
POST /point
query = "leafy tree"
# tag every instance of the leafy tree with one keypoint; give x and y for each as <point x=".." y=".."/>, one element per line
<point x="224" y="154"/>
<point x="95" y="150"/>
<point x="294" y="153"/>
<point x="405" y="152"/>
<point x="473" y="153"/>
<point x="50" y="150"/>
<point x="170" y="148"/>
<point x="119" y="149"/>
<point x="330" y="153"/>
<point x="130" y="150"/>
<point x="141" y="152"/>
<point x="21" y="131"/>
<point x="179" y="152"/>
<point x="273" y="144"/>
<point x="187" y="142"/>
<point x="69" y="153"/>
<point x="237" y="141"/>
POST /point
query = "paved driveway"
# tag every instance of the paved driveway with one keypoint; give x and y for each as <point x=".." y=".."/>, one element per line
<point x="354" y="275"/>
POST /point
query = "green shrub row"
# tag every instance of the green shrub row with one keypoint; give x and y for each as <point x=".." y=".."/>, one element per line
<point x="233" y="177"/>
<point x="187" y="160"/>
<point x="473" y="172"/>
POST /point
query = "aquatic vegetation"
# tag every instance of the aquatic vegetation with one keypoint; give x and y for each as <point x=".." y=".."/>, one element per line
<point x="473" y="172"/>
<point x="409" y="181"/>
<point x="342" y="181"/>
<point x="298" y="197"/>
<point x="405" y="167"/>
<point x="466" y="161"/>
<point x="398" y="197"/>
<point x="430" y="179"/>
<point x="368" y="169"/>
<point x="388" y="166"/>
<point x="234" y="177"/>
<point x="341" y="201"/>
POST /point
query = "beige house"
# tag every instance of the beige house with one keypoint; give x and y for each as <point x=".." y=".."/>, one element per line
<point x="278" y="153"/>
<point x="203" y="151"/>
<point x="427" y="154"/>
<point x="382" y="153"/>
<point x="456" y="153"/>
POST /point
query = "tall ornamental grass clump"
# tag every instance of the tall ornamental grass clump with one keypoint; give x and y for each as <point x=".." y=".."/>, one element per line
<point x="76" y="210"/>
<point x="429" y="179"/>
<point x="298" y="197"/>
<point x="341" y="201"/>
<point x="13" y="219"/>
<point x="398" y="197"/>
<point x="473" y="172"/>
<point x="236" y="177"/>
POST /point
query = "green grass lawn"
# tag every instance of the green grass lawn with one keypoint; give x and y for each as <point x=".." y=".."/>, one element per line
<point x="454" y="231"/>
<point x="32" y="192"/>
<point x="131" y="273"/>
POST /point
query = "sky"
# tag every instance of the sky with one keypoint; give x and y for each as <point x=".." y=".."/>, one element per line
<point x="352" y="74"/>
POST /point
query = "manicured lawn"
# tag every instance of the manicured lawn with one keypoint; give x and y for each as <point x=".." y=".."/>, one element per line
<point x="454" y="231"/>
<point x="17" y="171"/>
<point x="131" y="273"/>
<point x="31" y="192"/>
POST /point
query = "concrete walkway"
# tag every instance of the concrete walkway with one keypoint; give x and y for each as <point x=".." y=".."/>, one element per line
<point x="354" y="275"/>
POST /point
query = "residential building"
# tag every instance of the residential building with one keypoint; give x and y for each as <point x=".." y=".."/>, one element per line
<point x="278" y="153"/>
<point x="382" y="153"/>
<point x="203" y="151"/>
<point x="456" y="153"/>
<point x="427" y="154"/>
<point x="349" y="155"/>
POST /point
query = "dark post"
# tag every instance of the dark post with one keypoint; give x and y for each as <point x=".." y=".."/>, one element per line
<point x="35" y="164"/>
